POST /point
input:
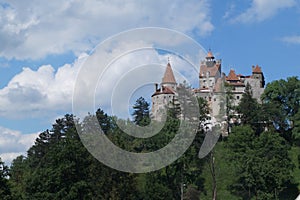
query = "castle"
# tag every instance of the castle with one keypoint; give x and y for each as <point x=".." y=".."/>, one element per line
<point x="211" y="79"/>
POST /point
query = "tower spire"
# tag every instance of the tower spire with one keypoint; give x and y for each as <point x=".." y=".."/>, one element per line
<point x="168" y="77"/>
<point x="210" y="55"/>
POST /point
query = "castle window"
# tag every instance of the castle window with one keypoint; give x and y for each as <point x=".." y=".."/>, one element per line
<point x="215" y="99"/>
<point x="237" y="97"/>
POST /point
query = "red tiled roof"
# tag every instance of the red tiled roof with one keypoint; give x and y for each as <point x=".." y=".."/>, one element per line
<point x="167" y="90"/>
<point x="256" y="69"/>
<point x="232" y="76"/>
<point x="212" y="70"/>
<point x="169" y="75"/>
<point x="164" y="90"/>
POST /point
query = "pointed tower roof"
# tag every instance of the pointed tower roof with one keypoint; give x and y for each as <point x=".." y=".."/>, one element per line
<point x="169" y="75"/>
<point x="232" y="76"/>
<point x="210" y="55"/>
<point x="256" y="69"/>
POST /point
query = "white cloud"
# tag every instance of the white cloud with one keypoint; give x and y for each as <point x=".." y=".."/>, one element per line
<point x="292" y="39"/>
<point x="13" y="143"/>
<point x="33" y="29"/>
<point x="39" y="93"/>
<point x="261" y="10"/>
<point x="47" y="92"/>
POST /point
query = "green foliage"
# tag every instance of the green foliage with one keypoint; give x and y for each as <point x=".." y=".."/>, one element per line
<point x="105" y="121"/>
<point x="282" y="100"/>
<point x="251" y="111"/>
<point x="261" y="162"/>
<point x="4" y="187"/>
<point x="186" y="171"/>
<point x="203" y="110"/>
<point x="18" y="172"/>
<point x="224" y="175"/>
<point x="141" y="112"/>
<point x="296" y="129"/>
<point x="59" y="167"/>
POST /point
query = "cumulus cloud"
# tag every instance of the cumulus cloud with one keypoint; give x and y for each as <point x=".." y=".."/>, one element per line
<point x="292" y="39"/>
<point x="47" y="92"/>
<point x="261" y="10"/>
<point x="13" y="143"/>
<point x="36" y="93"/>
<point x="34" y="29"/>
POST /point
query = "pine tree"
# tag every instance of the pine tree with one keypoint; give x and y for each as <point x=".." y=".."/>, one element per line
<point x="141" y="112"/>
<point x="251" y="111"/>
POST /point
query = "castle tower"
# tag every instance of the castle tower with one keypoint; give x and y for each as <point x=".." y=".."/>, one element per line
<point x="258" y="74"/>
<point x="165" y="95"/>
<point x="210" y="71"/>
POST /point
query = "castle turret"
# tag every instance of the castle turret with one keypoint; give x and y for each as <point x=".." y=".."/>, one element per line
<point x="258" y="74"/>
<point x="210" y="71"/>
<point x="165" y="95"/>
<point x="168" y="79"/>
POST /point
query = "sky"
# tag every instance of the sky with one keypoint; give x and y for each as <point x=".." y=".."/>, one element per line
<point x="43" y="47"/>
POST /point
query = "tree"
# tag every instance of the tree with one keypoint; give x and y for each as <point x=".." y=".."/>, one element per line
<point x="58" y="166"/>
<point x="171" y="181"/>
<point x="250" y="111"/>
<point x="141" y="112"/>
<point x="248" y="106"/>
<point x="18" y="172"/>
<point x="262" y="163"/>
<point x="104" y="120"/>
<point x="296" y="129"/>
<point x="4" y="187"/>
<point x="282" y="99"/>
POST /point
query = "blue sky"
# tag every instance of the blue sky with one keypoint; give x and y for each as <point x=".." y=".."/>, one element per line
<point x="43" y="45"/>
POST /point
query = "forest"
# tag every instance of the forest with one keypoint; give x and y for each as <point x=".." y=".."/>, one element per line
<point x="260" y="159"/>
